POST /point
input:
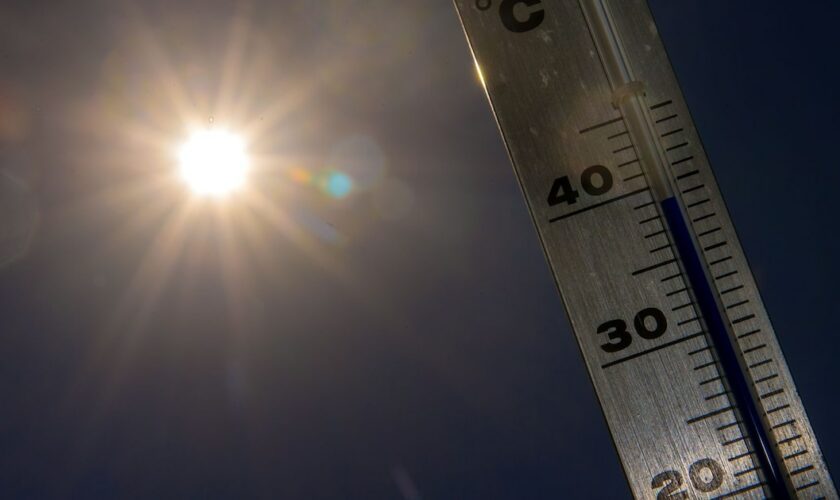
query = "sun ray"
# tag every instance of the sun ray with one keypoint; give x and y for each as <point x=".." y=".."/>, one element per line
<point x="147" y="201"/>
<point x="113" y="351"/>
<point x="232" y="65"/>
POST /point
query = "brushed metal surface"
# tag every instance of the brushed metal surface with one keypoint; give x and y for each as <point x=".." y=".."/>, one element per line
<point x="666" y="400"/>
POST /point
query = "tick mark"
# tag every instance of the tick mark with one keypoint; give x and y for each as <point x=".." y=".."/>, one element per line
<point x="698" y="203"/>
<point x="740" y="490"/>
<point x="727" y="426"/>
<point x="801" y="470"/>
<point x="765" y="379"/>
<point x="704" y="217"/>
<point x="687" y="174"/>
<point x="710" y="415"/>
<point x="737" y="304"/>
<point x="661" y="104"/>
<point x="745" y="472"/>
<point x="683" y="306"/>
<point x="715" y="396"/>
<point x="761" y="363"/>
<point x="651" y="350"/>
<point x="750" y="333"/>
<point x="777" y="409"/>
<point x="753" y="349"/>
<point x="795" y="455"/>
<point x="742" y="455"/>
<point x="659" y="249"/>
<point x="710" y="231"/>
<point x="743" y="318"/>
<point x="602" y="124"/>
<point x="772" y="393"/>
<point x="720" y="261"/>
<point x="716" y="245"/>
<point x="695" y="188"/>
<point x="783" y="424"/>
<point x="711" y="380"/>
<point x="806" y="486"/>
<point x="790" y="439"/>
<point x="700" y="351"/>
<point x="726" y="275"/>
<point x="692" y="320"/>
<point x="705" y="365"/>
<point x="733" y="441"/>
<point x="733" y="289"/>
<point x="653" y="267"/>
<point x="597" y="205"/>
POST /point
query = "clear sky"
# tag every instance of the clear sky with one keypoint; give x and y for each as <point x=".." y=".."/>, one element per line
<point x="372" y="317"/>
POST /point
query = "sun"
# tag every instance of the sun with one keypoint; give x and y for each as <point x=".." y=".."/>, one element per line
<point x="214" y="162"/>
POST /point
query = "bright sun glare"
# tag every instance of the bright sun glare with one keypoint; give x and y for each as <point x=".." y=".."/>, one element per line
<point x="214" y="162"/>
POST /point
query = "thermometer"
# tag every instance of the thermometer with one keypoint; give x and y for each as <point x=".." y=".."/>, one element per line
<point x="678" y="345"/>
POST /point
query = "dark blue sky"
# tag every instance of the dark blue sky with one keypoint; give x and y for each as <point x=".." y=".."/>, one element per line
<point x="403" y="342"/>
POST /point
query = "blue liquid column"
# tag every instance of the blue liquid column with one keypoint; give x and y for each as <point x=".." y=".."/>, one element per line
<point x="723" y="345"/>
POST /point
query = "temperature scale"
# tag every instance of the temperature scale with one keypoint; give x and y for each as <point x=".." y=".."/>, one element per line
<point x="679" y="347"/>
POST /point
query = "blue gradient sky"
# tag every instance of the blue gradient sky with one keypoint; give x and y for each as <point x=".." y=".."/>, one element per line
<point x="402" y="341"/>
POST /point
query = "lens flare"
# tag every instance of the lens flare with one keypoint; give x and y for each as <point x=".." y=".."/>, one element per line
<point x="214" y="162"/>
<point x="338" y="184"/>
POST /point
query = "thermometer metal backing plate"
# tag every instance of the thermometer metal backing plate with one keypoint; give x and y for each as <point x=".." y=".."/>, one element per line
<point x="666" y="401"/>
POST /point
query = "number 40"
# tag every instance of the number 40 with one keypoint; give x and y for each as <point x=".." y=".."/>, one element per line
<point x="595" y="180"/>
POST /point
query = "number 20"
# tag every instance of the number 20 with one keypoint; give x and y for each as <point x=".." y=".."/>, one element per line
<point x="706" y="476"/>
